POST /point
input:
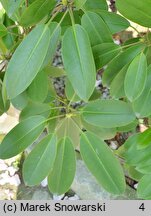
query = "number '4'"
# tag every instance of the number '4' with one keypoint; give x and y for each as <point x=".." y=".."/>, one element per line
<point x="142" y="207"/>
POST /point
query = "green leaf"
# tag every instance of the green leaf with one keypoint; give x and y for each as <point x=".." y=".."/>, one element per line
<point x="11" y="6"/>
<point x="144" y="167"/>
<point x="117" y="85"/>
<point x="108" y="113"/>
<point x="62" y="175"/>
<point x="29" y="58"/>
<point x="131" y="146"/>
<point x="36" y="12"/>
<point x="115" y="22"/>
<point x="120" y="61"/>
<point x="102" y="133"/>
<point x="27" y="61"/>
<point x="134" y="174"/>
<point x="138" y="12"/>
<point x="3" y="30"/>
<point x="4" y="103"/>
<point x="54" y="72"/>
<point x="21" y="101"/>
<point x="142" y="105"/>
<point x="102" y="163"/>
<point x="95" y="4"/>
<point x="40" y="161"/>
<point x="38" y="89"/>
<point x="96" y="28"/>
<point x="33" y="109"/>
<point x="79" y="3"/>
<point x="130" y="127"/>
<point x="69" y="126"/>
<point x="21" y="136"/>
<point x="81" y="69"/>
<point x="135" y="79"/>
<point x="54" y="37"/>
<point x="104" y="53"/>
<point x="144" y="188"/>
<point x="70" y="93"/>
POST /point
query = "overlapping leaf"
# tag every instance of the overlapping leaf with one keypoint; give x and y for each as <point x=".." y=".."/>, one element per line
<point x="102" y="163"/>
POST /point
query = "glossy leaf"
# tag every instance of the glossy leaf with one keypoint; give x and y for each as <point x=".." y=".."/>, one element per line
<point x="40" y="161"/>
<point x="38" y="89"/>
<point x="95" y="4"/>
<point x="96" y="28"/>
<point x="21" y="136"/>
<point x="119" y="62"/>
<point x="135" y="79"/>
<point x="33" y="109"/>
<point x="144" y="188"/>
<point x="36" y="12"/>
<point x="80" y="69"/>
<point x="108" y="113"/>
<point x="104" y="53"/>
<point x="102" y="163"/>
<point x="142" y="105"/>
<point x="62" y="175"/>
<point x="115" y="22"/>
<point x="138" y="12"/>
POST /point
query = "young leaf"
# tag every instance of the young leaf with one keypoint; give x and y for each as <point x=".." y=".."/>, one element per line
<point x="62" y="175"/>
<point x="104" y="53"/>
<point x="40" y="161"/>
<point x="144" y="188"/>
<point x="21" y="136"/>
<point x="115" y="22"/>
<point x="108" y="113"/>
<point x="96" y="28"/>
<point x="102" y="163"/>
<point x="81" y="69"/>
<point x="95" y="4"/>
<point x="138" y="12"/>
<point x="135" y="79"/>
<point x="27" y="60"/>
<point x="36" y="12"/>
<point x="120" y="61"/>
<point x="54" y="72"/>
<point x="142" y="105"/>
<point x="38" y="89"/>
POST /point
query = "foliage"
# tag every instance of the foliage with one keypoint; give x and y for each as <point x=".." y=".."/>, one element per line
<point x="80" y="120"/>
